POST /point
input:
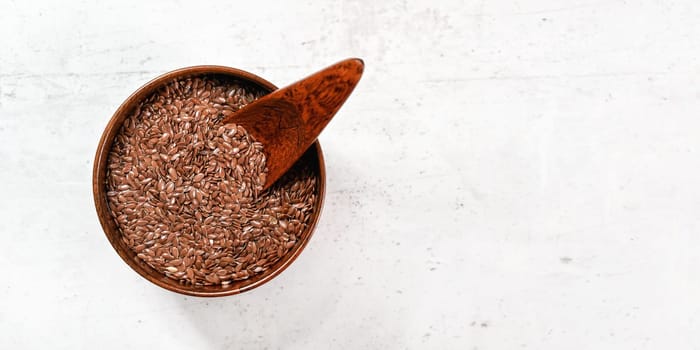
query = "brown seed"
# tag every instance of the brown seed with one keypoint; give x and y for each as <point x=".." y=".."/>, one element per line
<point x="190" y="275"/>
<point x="213" y="278"/>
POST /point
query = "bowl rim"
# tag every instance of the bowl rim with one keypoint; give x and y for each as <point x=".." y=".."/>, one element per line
<point x="99" y="175"/>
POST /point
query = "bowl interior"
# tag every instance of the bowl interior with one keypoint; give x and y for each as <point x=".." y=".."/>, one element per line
<point x="312" y="158"/>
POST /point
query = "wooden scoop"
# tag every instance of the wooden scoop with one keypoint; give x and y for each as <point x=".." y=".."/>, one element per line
<point x="288" y="120"/>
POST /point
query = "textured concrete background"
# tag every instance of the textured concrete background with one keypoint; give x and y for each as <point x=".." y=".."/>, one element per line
<point x="508" y="174"/>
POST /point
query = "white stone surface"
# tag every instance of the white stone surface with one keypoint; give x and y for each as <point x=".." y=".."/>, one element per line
<point x="508" y="174"/>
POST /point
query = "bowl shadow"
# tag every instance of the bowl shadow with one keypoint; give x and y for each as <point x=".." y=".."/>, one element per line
<point x="291" y="310"/>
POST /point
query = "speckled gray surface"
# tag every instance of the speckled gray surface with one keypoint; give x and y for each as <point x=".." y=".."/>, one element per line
<point x="508" y="174"/>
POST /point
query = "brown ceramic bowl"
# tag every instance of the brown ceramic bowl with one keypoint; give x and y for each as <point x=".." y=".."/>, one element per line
<point x="313" y="157"/>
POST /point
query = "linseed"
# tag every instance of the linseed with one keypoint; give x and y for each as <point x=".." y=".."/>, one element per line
<point x="186" y="191"/>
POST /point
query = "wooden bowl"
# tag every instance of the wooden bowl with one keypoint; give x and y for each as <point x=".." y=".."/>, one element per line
<point x="313" y="157"/>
